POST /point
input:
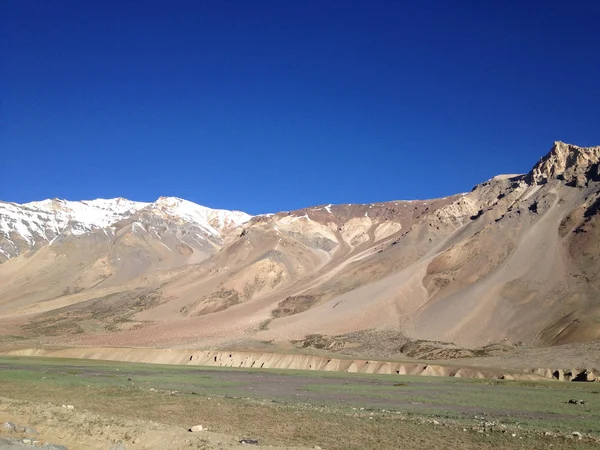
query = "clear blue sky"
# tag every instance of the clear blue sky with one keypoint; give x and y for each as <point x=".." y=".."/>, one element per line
<point x="266" y="106"/>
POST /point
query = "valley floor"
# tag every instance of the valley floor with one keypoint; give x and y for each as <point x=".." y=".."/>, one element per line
<point x="147" y="406"/>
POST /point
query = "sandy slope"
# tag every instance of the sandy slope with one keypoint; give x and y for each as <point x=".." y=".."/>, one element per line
<point x="515" y="261"/>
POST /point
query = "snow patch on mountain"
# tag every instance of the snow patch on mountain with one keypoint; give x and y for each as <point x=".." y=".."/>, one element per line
<point x="211" y="220"/>
<point x="91" y="214"/>
<point x="27" y="226"/>
<point x="41" y="222"/>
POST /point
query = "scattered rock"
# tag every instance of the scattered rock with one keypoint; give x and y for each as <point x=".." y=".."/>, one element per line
<point x="9" y="426"/>
<point x="118" y="446"/>
<point x="196" y="428"/>
<point x="53" y="447"/>
<point x="249" y="441"/>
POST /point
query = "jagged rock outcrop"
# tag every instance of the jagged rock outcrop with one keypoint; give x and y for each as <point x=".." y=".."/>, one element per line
<point x="569" y="162"/>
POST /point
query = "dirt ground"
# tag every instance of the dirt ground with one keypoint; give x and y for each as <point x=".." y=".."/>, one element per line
<point x="147" y="406"/>
<point x="86" y="430"/>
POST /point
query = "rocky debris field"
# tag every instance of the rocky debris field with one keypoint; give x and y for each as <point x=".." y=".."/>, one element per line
<point x="22" y="436"/>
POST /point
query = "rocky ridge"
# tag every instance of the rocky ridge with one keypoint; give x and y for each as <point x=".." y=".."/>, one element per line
<point x="571" y="163"/>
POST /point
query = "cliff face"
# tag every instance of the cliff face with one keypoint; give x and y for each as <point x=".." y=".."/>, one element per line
<point x="573" y="164"/>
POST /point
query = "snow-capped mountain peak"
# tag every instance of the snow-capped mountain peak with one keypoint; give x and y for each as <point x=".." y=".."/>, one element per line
<point x="90" y="214"/>
<point x="213" y="220"/>
<point x="31" y="225"/>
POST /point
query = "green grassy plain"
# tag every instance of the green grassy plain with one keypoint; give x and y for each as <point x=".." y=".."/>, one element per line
<point x="308" y="408"/>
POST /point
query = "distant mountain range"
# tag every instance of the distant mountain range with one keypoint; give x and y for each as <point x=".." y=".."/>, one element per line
<point x="516" y="261"/>
<point x="32" y="225"/>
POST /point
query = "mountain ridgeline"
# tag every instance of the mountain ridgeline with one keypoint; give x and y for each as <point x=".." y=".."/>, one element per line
<point x="513" y="262"/>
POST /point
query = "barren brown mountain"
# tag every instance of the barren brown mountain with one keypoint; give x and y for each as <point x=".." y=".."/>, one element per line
<point x="515" y="262"/>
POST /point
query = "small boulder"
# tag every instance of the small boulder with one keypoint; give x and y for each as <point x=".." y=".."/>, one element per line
<point x="118" y="446"/>
<point x="196" y="428"/>
<point x="9" y="426"/>
<point x="574" y="401"/>
<point x="249" y="441"/>
<point x="576" y="434"/>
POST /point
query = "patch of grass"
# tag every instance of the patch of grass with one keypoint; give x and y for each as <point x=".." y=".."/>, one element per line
<point x="264" y="325"/>
<point x="12" y="338"/>
<point x="329" y="409"/>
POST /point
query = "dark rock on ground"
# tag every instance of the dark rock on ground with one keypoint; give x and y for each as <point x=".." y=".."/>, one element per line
<point x="9" y="426"/>
<point x="118" y="446"/>
<point x="53" y="447"/>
